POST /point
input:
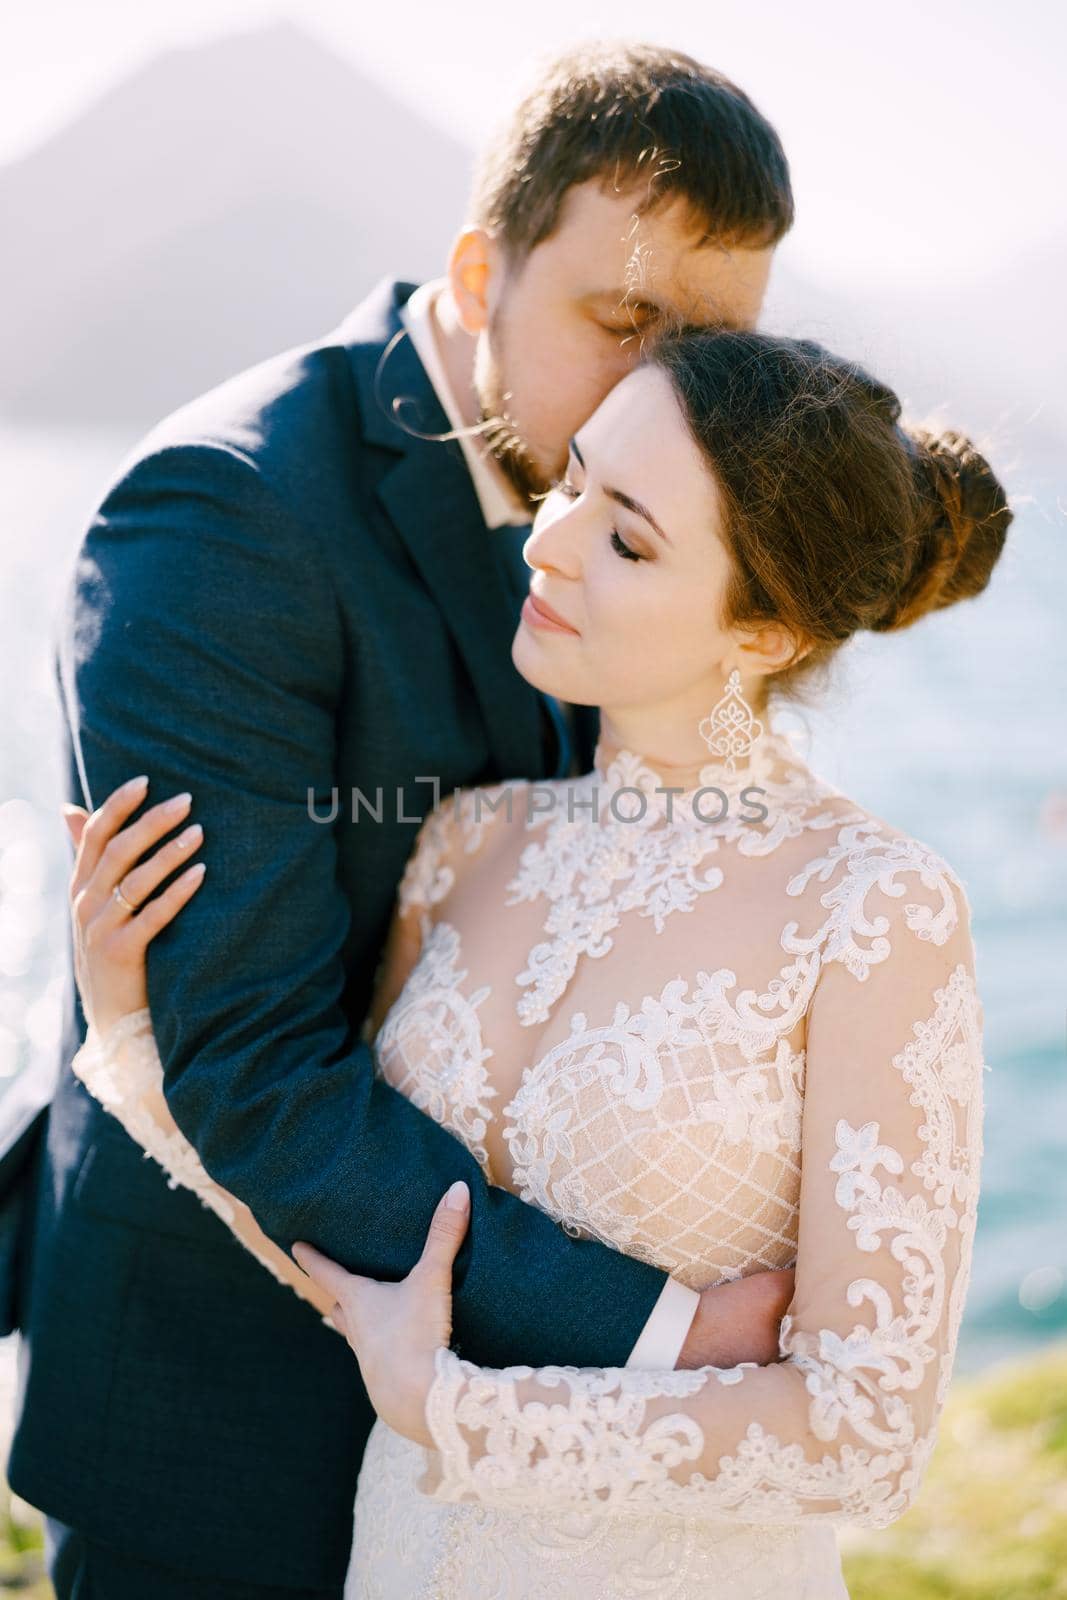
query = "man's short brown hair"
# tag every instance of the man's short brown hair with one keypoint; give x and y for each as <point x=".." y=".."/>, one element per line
<point x="621" y="113"/>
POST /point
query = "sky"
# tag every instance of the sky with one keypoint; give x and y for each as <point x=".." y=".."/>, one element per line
<point x="927" y="141"/>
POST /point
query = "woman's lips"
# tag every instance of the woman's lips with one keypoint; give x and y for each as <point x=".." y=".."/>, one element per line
<point x="540" y="615"/>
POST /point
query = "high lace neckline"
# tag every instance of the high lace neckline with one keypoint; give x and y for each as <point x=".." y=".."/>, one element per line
<point x="773" y="770"/>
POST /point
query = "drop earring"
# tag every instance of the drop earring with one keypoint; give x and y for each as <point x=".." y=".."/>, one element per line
<point x="731" y="729"/>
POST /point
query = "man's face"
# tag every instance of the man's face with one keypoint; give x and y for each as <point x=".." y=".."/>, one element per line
<point x="565" y="326"/>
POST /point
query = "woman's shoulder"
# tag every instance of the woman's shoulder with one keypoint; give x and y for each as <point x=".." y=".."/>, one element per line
<point x="459" y="828"/>
<point x="865" y="839"/>
<point x="872" y="888"/>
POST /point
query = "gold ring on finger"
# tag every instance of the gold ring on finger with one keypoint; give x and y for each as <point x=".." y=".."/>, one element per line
<point x="122" y="900"/>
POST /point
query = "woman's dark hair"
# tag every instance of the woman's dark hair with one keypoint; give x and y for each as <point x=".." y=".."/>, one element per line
<point x="621" y="113"/>
<point x="838" y="518"/>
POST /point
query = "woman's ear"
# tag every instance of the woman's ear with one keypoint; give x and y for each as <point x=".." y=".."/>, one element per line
<point x="770" y="648"/>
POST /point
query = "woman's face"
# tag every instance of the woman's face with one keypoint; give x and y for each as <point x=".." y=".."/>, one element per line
<point x="626" y="550"/>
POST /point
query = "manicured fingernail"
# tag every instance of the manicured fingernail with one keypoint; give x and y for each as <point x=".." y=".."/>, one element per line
<point x="197" y="871"/>
<point x="135" y="783"/>
<point x="179" y="802"/>
<point x="456" y="1198"/>
<point x="189" y="836"/>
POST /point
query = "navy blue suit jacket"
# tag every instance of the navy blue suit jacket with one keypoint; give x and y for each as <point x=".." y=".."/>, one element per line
<point x="283" y="593"/>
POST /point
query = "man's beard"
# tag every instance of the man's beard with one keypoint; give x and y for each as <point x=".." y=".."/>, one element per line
<point x="499" y="428"/>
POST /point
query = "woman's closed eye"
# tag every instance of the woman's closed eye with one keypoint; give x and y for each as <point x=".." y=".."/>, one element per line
<point x="618" y="543"/>
<point x="621" y="548"/>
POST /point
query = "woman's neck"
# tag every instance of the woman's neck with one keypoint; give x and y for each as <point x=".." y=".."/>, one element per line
<point x="679" y="757"/>
<point x="671" y="774"/>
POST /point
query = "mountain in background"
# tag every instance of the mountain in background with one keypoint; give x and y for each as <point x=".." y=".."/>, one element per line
<point x="224" y="202"/>
<point x="237" y="197"/>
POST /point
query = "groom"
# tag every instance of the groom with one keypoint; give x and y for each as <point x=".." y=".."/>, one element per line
<point x="292" y="593"/>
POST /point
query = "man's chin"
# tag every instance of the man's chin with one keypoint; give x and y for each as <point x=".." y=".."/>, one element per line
<point x="530" y="480"/>
<point x="530" y="483"/>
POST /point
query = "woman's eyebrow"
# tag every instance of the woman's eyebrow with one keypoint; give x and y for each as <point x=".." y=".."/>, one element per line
<point x="624" y="499"/>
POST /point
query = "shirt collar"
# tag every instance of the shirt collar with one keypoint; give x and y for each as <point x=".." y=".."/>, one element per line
<point x="499" y="501"/>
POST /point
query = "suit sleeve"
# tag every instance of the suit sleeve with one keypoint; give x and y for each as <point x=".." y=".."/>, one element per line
<point x="203" y="645"/>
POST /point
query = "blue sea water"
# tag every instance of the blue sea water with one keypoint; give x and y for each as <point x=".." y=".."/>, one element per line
<point x="954" y="731"/>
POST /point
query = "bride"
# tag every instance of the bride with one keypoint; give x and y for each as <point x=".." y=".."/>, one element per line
<point x="745" y="1006"/>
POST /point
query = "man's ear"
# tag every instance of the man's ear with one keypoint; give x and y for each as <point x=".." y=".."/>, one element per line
<point x="771" y="647"/>
<point x="473" y="265"/>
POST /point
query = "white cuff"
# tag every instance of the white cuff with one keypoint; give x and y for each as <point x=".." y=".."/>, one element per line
<point x="664" y="1334"/>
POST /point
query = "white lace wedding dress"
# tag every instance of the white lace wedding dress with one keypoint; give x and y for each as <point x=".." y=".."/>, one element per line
<point x="720" y="1043"/>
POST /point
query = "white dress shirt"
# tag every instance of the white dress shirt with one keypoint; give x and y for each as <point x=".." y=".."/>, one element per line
<point x="665" y="1332"/>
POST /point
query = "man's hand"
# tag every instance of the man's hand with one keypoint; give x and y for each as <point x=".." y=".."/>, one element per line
<point x="739" y="1321"/>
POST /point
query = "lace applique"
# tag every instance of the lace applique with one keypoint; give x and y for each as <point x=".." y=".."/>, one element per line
<point x="604" y="856"/>
<point x="672" y="1131"/>
<point x="117" y="1068"/>
<point x="582" y="1132"/>
<point x="658" y="870"/>
<point x="598" y="1445"/>
<point x="408" y="1546"/>
<point x="648" y="1117"/>
<point x="592" y="1447"/>
<point x="430" y="1044"/>
<point x="428" y="876"/>
<point x="939" y="1064"/>
<point x="871" y="861"/>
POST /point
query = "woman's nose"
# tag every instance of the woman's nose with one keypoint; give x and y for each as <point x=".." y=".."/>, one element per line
<point x="553" y="542"/>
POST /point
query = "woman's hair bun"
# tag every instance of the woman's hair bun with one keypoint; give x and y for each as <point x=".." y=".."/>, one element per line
<point x="836" y="518"/>
<point x="961" y="519"/>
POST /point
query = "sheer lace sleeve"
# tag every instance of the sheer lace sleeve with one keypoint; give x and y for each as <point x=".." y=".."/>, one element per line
<point x="122" y="1070"/>
<point x="842" y="1426"/>
<point x="449" y="833"/>
<point x="453" y="830"/>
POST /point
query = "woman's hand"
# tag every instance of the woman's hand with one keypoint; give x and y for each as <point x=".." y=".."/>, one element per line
<point x="110" y="940"/>
<point x="394" y="1328"/>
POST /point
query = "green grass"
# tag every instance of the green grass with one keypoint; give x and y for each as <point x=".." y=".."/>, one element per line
<point x="990" y="1522"/>
<point x="21" y="1549"/>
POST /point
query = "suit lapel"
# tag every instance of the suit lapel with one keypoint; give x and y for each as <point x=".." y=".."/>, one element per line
<point x="474" y="573"/>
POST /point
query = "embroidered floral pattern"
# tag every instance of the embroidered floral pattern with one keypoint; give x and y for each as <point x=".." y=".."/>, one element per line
<point x="604" y="855"/>
<point x="507" y="1438"/>
<point x="432" y="1042"/>
<point x="647" y="1118"/>
<point x="461" y="819"/>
